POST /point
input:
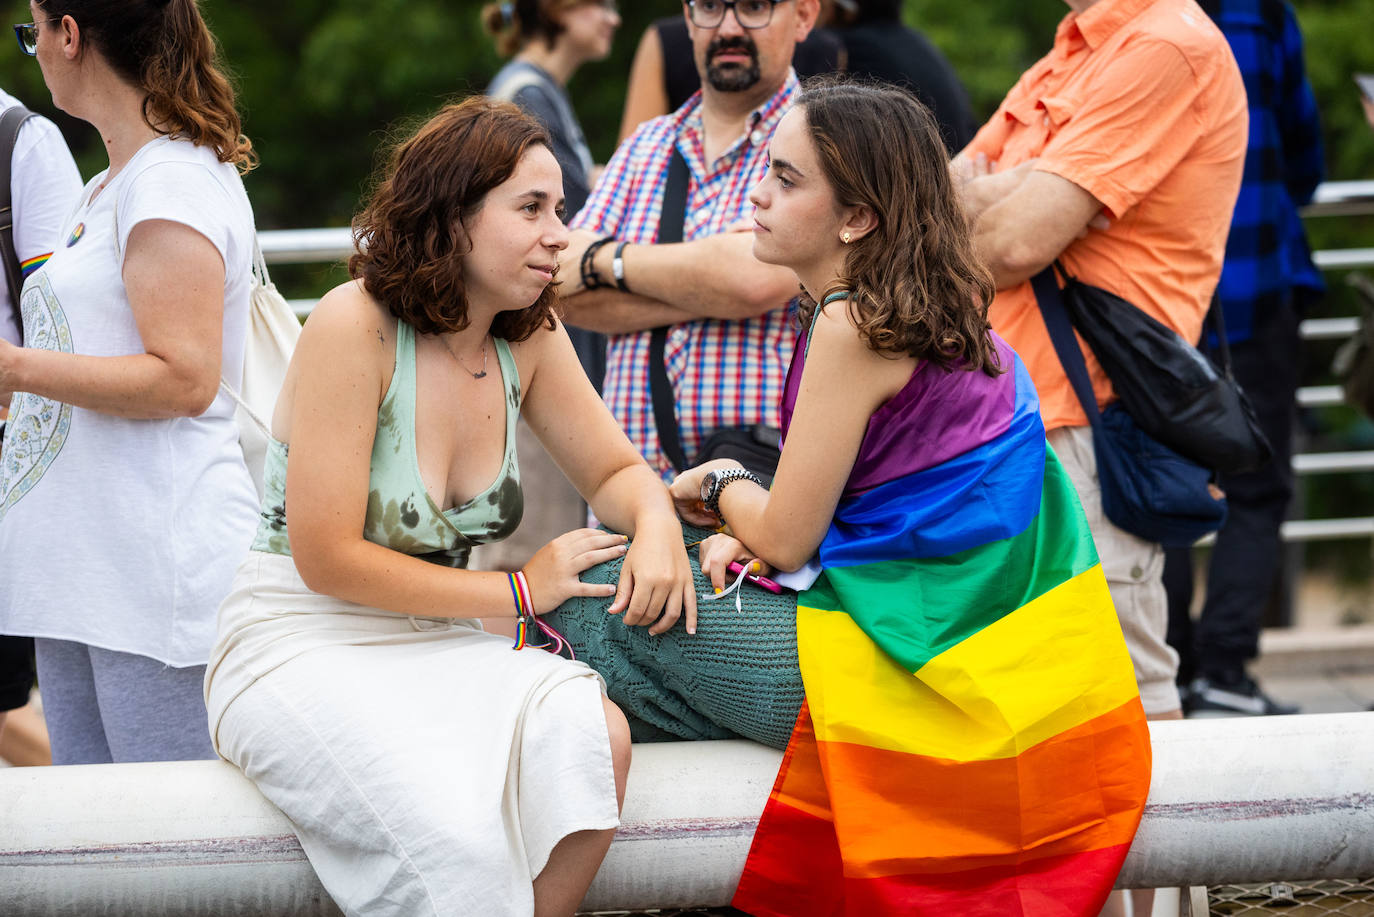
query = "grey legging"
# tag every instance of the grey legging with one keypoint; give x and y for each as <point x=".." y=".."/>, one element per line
<point x="106" y="707"/>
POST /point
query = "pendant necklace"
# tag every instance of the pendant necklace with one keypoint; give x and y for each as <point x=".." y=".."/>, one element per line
<point x="478" y="375"/>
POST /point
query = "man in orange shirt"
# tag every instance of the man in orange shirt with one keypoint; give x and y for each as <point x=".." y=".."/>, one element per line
<point x="1120" y="153"/>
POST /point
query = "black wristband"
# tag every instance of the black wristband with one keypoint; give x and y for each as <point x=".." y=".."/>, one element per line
<point x="618" y="267"/>
<point x="590" y="278"/>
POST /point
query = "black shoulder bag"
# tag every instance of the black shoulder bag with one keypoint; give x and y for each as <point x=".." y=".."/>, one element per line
<point x="755" y="446"/>
<point x="1147" y="488"/>
<point x="10" y="122"/>
<point x="1168" y="386"/>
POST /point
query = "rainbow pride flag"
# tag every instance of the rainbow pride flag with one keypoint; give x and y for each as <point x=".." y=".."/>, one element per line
<point x="972" y="741"/>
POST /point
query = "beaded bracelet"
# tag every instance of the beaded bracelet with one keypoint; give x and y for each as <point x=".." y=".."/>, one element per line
<point x="590" y="278"/>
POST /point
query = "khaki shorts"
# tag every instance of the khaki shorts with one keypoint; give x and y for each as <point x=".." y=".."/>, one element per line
<point x="1134" y="569"/>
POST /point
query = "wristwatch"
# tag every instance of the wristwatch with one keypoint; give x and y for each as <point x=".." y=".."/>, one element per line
<point x="714" y="482"/>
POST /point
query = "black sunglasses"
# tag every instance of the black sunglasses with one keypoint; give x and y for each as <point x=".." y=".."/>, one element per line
<point x="27" y="33"/>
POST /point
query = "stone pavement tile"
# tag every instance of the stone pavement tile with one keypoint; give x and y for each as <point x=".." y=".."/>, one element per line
<point x="1358" y="685"/>
<point x="1321" y="693"/>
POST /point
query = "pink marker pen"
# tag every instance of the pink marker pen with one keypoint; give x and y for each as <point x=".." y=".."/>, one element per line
<point x="763" y="582"/>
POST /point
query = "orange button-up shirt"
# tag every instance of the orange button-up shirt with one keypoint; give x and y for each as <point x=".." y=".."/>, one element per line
<point x="1141" y="104"/>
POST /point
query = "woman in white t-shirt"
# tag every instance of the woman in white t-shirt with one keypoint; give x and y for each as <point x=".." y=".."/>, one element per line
<point x="125" y="504"/>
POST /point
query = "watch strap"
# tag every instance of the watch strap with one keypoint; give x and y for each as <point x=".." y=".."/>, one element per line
<point x="722" y="480"/>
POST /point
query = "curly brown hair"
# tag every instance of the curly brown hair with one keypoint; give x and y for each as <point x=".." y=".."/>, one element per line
<point x="916" y="286"/>
<point x="412" y="235"/>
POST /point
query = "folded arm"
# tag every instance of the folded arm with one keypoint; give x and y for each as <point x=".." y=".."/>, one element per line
<point x="714" y="277"/>
<point x="1022" y="232"/>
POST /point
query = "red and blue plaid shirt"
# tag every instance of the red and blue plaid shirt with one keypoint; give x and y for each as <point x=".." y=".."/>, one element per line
<point x="723" y="373"/>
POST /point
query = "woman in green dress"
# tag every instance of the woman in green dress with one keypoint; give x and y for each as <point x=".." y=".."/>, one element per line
<point x="427" y="767"/>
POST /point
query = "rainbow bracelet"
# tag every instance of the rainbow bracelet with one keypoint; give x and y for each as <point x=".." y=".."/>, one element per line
<point x="526" y="620"/>
<point x="524" y="608"/>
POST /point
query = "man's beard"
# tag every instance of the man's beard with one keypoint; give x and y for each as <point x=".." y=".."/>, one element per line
<point x="732" y="78"/>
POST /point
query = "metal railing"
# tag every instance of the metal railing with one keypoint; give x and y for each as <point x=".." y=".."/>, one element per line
<point x="1332" y="199"/>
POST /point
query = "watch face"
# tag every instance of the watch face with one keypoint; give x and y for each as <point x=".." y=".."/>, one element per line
<point x="708" y="482"/>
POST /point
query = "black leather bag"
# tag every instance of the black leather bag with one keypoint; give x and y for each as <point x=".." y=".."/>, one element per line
<point x="1167" y="385"/>
<point x="757" y="447"/>
<point x="1147" y="488"/>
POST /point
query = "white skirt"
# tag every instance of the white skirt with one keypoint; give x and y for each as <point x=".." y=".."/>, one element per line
<point x="426" y="766"/>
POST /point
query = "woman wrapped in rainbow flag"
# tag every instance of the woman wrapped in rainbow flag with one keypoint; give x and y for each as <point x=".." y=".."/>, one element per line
<point x="972" y="739"/>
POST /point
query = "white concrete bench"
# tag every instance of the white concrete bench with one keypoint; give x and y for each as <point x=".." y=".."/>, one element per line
<point x="1232" y="801"/>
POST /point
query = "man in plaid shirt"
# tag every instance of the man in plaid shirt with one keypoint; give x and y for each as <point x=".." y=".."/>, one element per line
<point x="1267" y="274"/>
<point x="731" y="335"/>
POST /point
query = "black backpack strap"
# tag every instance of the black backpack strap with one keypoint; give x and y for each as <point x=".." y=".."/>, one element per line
<point x="1051" y="300"/>
<point x="10" y="122"/>
<point x="670" y="229"/>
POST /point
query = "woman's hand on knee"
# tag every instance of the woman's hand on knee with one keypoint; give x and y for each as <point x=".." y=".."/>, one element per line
<point x="552" y="572"/>
<point x="719" y="551"/>
<point x="656" y="586"/>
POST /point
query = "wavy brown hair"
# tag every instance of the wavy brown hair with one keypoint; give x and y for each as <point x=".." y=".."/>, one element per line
<point x="164" y="48"/>
<point x="413" y="233"/>
<point x="916" y="286"/>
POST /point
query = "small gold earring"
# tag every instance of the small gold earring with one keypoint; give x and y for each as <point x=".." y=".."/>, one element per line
<point x="845" y="237"/>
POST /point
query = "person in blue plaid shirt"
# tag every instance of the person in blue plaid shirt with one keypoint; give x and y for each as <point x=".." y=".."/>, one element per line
<point x="1267" y="276"/>
<point x="731" y="328"/>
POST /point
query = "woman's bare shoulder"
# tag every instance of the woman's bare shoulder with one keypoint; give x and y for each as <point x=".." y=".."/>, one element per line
<point x="349" y="331"/>
<point x="350" y="309"/>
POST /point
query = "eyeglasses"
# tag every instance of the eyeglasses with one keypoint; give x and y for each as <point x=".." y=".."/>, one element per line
<point x="27" y="33"/>
<point x="750" y="14"/>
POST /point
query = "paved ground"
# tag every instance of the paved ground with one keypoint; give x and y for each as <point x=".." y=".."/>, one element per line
<point x="1331" y="692"/>
<point x="1324" y="671"/>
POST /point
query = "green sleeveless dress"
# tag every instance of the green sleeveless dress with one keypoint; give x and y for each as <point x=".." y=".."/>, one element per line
<point x="401" y="515"/>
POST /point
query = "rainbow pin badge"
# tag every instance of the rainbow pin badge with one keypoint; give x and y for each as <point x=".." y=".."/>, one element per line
<point x="76" y="235"/>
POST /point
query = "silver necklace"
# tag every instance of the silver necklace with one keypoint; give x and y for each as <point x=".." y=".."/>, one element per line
<point x="454" y="354"/>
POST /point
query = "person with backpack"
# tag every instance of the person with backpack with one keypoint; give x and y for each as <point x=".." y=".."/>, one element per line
<point x="41" y="188"/>
<point x="125" y="503"/>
